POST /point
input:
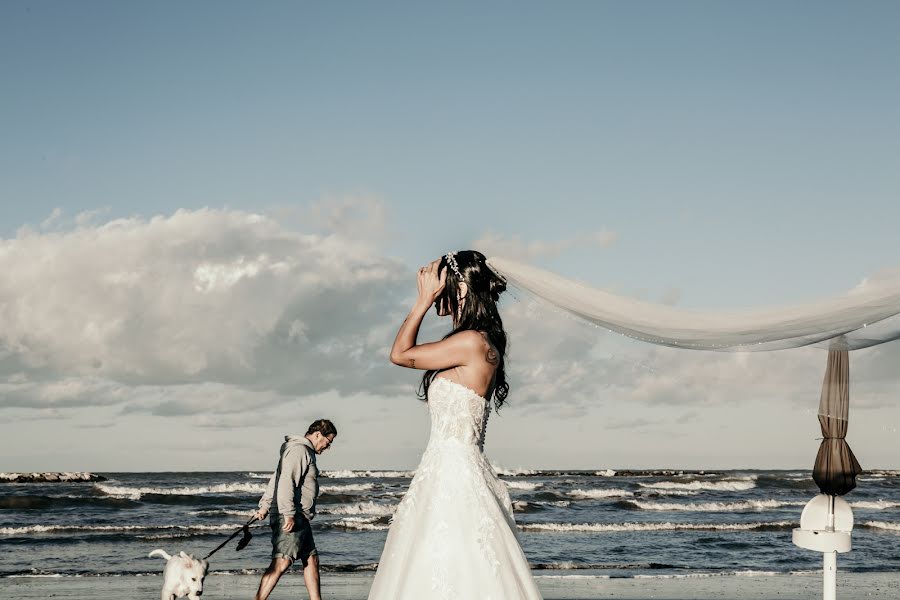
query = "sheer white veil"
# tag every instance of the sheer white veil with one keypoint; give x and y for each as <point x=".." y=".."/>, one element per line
<point x="863" y="317"/>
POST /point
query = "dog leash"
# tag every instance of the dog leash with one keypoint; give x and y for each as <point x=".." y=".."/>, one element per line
<point x="241" y="544"/>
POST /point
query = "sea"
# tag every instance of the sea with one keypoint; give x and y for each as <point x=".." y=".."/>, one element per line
<point x="608" y="523"/>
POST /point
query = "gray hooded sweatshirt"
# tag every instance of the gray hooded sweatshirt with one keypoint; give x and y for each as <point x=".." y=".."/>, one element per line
<point x="295" y="483"/>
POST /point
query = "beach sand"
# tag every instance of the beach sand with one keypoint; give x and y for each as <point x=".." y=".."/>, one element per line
<point x="872" y="586"/>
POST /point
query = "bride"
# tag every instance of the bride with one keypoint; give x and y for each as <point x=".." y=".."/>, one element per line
<point x="453" y="534"/>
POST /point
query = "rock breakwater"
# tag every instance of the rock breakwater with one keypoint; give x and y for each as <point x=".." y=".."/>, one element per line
<point x="49" y="477"/>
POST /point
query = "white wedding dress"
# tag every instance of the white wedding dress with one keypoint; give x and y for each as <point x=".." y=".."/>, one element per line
<point x="453" y="535"/>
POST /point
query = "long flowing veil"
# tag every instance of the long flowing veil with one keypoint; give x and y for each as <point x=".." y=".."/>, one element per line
<point x="863" y="317"/>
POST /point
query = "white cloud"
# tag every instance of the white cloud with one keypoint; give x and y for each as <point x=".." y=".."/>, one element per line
<point x="53" y="219"/>
<point x="198" y="296"/>
<point x="243" y="311"/>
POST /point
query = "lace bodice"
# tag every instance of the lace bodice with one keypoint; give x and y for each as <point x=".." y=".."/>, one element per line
<point x="457" y="413"/>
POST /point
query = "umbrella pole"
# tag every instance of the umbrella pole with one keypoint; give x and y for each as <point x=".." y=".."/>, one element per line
<point x="829" y="562"/>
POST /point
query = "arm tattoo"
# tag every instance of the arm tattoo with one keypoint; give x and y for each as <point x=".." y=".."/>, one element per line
<point x="412" y="363"/>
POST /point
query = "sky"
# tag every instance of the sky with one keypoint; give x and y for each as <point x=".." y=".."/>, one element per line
<point x="211" y="215"/>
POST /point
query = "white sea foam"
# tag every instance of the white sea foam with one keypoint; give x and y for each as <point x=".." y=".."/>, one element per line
<point x="742" y="506"/>
<point x="110" y="528"/>
<point x="135" y="493"/>
<point x="522" y="485"/>
<point x="606" y="473"/>
<point x="513" y="472"/>
<point x="884" y="472"/>
<point x="349" y="487"/>
<point x="521" y="505"/>
<point x="746" y="573"/>
<point x="360" y="508"/>
<point x="218" y="512"/>
<point x="875" y="504"/>
<point x="622" y="527"/>
<point x="734" y="485"/>
<point x="348" y="474"/>
<point x="253" y="475"/>
<point x="597" y="494"/>
<point x="360" y="523"/>
<point x="883" y="525"/>
<point x="565" y="566"/>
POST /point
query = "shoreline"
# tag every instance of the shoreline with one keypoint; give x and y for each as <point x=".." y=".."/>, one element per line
<point x="557" y="585"/>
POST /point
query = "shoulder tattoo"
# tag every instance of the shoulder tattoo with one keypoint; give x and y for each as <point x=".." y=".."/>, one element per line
<point x="492" y="356"/>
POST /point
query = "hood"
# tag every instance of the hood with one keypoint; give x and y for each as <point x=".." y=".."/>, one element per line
<point x="291" y="441"/>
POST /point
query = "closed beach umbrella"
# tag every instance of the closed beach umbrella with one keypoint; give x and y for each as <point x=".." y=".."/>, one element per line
<point x="836" y="468"/>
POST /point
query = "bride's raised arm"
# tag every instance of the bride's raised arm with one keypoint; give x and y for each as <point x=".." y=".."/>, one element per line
<point x="457" y="350"/>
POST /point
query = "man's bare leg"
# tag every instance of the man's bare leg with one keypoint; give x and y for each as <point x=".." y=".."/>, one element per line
<point x="276" y="569"/>
<point x="311" y="577"/>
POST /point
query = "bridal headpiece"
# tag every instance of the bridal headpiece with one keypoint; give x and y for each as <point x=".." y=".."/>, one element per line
<point x="451" y="260"/>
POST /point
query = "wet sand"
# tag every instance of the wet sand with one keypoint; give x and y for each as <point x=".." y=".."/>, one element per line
<point x="872" y="586"/>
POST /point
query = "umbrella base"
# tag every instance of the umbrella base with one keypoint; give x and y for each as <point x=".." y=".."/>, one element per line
<point x="822" y="541"/>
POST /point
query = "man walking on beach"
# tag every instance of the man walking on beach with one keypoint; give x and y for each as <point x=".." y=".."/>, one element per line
<point x="294" y="486"/>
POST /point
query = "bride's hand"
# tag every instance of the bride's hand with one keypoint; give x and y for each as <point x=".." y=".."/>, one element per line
<point x="431" y="283"/>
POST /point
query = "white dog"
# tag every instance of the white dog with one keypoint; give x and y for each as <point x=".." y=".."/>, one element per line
<point x="183" y="576"/>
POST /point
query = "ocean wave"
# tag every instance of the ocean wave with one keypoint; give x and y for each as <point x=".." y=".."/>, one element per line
<point x="781" y="482"/>
<point x="531" y="506"/>
<point x="369" y="567"/>
<point x="348" y="474"/>
<point x="111" y="528"/>
<point x="669" y="492"/>
<point x="360" y="524"/>
<point x="597" y="494"/>
<point x="222" y="512"/>
<point x="55" y="502"/>
<point x="884" y="472"/>
<point x="743" y="506"/>
<point x="514" y="472"/>
<point x="253" y="475"/>
<point x="135" y="493"/>
<point x="882" y="525"/>
<point x="875" y="504"/>
<point x="573" y="566"/>
<point x="624" y="527"/>
<point x="349" y="487"/>
<point x="360" y="508"/>
<point x="43" y="574"/>
<point x="522" y="485"/>
<point x="734" y="485"/>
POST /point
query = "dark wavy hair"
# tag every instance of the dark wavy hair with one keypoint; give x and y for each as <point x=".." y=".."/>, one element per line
<point x="324" y="426"/>
<point x="479" y="313"/>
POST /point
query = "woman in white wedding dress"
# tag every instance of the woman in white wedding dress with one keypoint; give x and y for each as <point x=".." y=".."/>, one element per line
<point x="453" y="535"/>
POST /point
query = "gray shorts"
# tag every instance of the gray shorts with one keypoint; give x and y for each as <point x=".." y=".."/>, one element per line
<point x="292" y="545"/>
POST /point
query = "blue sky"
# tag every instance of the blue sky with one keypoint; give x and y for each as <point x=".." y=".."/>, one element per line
<point x="731" y="154"/>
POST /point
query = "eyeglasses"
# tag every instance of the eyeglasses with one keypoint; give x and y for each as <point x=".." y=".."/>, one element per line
<point x="328" y="441"/>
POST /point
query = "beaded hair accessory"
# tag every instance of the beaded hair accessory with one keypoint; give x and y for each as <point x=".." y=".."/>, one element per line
<point x="451" y="260"/>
